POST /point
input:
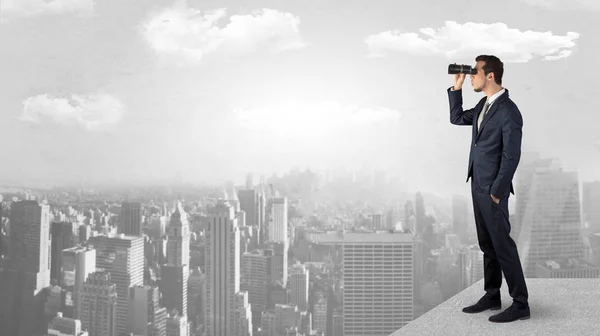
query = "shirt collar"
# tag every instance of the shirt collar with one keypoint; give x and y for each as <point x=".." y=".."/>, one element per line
<point x="496" y="95"/>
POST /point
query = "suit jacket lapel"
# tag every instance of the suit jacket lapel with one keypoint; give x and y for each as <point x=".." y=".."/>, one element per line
<point x="487" y="117"/>
<point x="490" y="112"/>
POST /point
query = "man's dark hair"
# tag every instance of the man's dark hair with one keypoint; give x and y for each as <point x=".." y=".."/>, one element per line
<point x="492" y="64"/>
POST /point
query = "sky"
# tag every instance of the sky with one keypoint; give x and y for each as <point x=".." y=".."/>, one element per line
<point x="151" y="90"/>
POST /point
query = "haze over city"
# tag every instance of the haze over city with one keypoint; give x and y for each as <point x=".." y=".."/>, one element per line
<point x="160" y="91"/>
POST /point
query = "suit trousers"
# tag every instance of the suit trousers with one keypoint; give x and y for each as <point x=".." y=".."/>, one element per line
<point x="500" y="253"/>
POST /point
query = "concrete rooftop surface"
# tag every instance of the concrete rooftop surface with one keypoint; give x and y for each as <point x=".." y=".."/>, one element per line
<point x="565" y="307"/>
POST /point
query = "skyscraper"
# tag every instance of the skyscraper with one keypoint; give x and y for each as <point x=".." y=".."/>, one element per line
<point x="130" y="219"/>
<point x="320" y="312"/>
<point x="62" y="238"/>
<point x="222" y="269"/>
<point x="299" y="287"/>
<point x="175" y="275"/>
<point x="255" y="279"/>
<point x="551" y="225"/>
<point x="262" y="210"/>
<point x="99" y="307"/>
<point x="77" y="263"/>
<point x="529" y="163"/>
<point x="28" y="271"/>
<point x="249" y="203"/>
<point x="378" y="282"/>
<point x="30" y="242"/>
<point x="123" y="257"/>
<point x="278" y="222"/>
<point x="146" y="317"/>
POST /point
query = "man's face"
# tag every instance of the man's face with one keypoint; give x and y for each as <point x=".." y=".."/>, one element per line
<point x="479" y="80"/>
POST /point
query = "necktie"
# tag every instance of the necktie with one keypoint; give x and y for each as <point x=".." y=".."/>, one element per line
<point x="482" y="114"/>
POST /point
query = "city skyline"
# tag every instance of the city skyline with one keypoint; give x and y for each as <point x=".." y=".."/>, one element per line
<point x="344" y="259"/>
<point x="112" y="92"/>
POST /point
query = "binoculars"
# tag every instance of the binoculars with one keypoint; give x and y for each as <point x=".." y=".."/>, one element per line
<point x="454" y="69"/>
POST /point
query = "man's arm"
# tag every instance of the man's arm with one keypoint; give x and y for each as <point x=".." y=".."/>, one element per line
<point x="457" y="115"/>
<point x="512" y="134"/>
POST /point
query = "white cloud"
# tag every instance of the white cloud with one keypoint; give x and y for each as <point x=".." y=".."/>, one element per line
<point x="29" y="8"/>
<point x="93" y="112"/>
<point x="188" y="34"/>
<point x="300" y="120"/>
<point x="455" y="40"/>
<point x="562" y="5"/>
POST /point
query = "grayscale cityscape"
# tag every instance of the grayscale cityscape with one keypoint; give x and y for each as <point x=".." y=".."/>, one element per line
<point x="297" y="168"/>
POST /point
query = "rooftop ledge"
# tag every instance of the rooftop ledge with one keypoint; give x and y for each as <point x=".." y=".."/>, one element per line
<point x="558" y="307"/>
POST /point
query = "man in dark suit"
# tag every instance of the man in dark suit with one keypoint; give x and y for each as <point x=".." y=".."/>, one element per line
<point x="493" y="159"/>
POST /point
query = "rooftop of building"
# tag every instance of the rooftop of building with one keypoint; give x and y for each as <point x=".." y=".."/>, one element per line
<point x="114" y="236"/>
<point x="558" y="307"/>
<point x="567" y="264"/>
<point x="359" y="235"/>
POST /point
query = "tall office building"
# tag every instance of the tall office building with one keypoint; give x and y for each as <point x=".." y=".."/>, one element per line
<point x="99" y="308"/>
<point x="262" y="217"/>
<point x="528" y="164"/>
<point x="378" y="282"/>
<point x="378" y="221"/>
<point x="299" y="286"/>
<point x="77" y="263"/>
<point x="255" y="279"/>
<point x="130" y="219"/>
<point x="197" y="297"/>
<point x="242" y="324"/>
<point x="551" y="222"/>
<point x="146" y="317"/>
<point x="175" y="274"/>
<point x="391" y="218"/>
<point x="28" y="270"/>
<point x="278" y="220"/>
<point x="30" y="242"/>
<point x="123" y="257"/>
<point x="222" y="269"/>
<point x="174" y="287"/>
<point x="178" y="244"/>
<point x="249" y="203"/>
<point x="62" y="238"/>
<point x="279" y="262"/>
<point x="320" y="313"/>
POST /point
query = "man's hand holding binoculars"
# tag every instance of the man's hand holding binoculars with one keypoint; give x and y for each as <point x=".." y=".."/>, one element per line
<point x="460" y="74"/>
<point x="459" y="80"/>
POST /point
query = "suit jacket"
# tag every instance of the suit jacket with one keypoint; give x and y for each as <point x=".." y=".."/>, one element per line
<point x="496" y="147"/>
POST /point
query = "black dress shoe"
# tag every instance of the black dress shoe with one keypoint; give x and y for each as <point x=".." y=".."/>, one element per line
<point x="511" y="314"/>
<point x="483" y="304"/>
